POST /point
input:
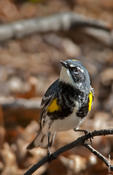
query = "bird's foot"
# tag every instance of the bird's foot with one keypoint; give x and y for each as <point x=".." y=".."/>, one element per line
<point x="81" y="130"/>
<point x="51" y="156"/>
<point x="85" y="132"/>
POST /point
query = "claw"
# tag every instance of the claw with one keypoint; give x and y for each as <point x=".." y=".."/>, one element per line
<point x="85" y="132"/>
<point x="81" y="130"/>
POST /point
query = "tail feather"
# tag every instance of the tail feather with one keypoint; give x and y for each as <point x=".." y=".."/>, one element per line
<point x="31" y="145"/>
<point x="41" y="140"/>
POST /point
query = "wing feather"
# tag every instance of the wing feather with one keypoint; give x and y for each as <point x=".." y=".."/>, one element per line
<point x="47" y="99"/>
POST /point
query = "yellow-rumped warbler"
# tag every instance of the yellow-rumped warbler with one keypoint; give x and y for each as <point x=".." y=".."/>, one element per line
<point x="65" y="103"/>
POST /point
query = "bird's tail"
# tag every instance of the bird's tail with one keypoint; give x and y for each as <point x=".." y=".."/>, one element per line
<point x="41" y="140"/>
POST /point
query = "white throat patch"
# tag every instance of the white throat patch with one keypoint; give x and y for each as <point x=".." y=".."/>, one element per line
<point x="65" y="76"/>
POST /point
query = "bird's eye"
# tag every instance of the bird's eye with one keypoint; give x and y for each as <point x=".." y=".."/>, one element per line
<point x="74" y="69"/>
<point x="77" y="73"/>
<point x="77" y="70"/>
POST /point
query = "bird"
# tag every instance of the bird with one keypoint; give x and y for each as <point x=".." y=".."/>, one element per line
<point x="65" y="104"/>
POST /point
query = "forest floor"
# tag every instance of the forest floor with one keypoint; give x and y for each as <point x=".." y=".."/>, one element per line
<point x="30" y="64"/>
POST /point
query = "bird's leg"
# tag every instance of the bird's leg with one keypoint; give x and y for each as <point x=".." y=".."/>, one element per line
<point x="49" y="144"/>
<point x="50" y="141"/>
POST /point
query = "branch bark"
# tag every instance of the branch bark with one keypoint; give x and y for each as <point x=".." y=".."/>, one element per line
<point x="78" y="142"/>
<point x="53" y="23"/>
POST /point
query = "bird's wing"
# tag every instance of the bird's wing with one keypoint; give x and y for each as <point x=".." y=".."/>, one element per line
<point x="51" y="91"/>
<point x="48" y="97"/>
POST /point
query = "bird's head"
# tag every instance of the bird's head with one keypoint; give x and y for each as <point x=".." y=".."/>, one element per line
<point x="75" y="74"/>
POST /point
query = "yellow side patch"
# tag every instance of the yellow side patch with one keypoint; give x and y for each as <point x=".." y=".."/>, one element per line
<point x="53" y="106"/>
<point x="90" y="101"/>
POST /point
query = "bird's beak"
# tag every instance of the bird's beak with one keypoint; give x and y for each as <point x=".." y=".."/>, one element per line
<point x="64" y="64"/>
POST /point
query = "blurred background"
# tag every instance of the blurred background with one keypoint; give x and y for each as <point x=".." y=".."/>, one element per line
<point x="29" y="63"/>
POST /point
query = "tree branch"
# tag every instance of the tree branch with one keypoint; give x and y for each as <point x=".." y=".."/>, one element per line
<point x="18" y="103"/>
<point x="53" y="23"/>
<point x="78" y="142"/>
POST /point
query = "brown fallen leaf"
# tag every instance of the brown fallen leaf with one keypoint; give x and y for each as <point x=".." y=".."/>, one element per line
<point x="9" y="159"/>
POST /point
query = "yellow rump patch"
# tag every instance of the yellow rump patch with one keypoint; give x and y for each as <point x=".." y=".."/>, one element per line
<point x="90" y="101"/>
<point x="53" y="106"/>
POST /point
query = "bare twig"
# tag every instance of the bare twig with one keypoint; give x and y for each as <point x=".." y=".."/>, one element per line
<point x="100" y="35"/>
<point x="78" y="142"/>
<point x="99" y="155"/>
<point x="17" y="103"/>
<point x="57" y="22"/>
